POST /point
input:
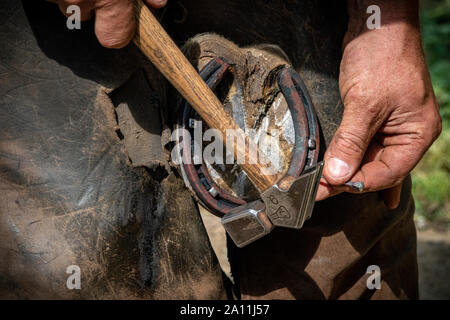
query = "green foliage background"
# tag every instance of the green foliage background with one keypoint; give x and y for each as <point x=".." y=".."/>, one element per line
<point x="431" y="178"/>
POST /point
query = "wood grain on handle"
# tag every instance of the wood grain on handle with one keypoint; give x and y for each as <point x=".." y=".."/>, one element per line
<point x="156" y="44"/>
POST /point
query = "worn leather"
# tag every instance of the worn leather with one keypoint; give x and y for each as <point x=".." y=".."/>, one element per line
<point x="70" y="191"/>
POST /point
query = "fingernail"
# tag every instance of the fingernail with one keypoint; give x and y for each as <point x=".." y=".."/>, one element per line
<point x="337" y="168"/>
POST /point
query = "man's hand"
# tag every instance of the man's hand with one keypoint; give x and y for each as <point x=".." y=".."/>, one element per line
<point x="391" y="116"/>
<point x="115" y="23"/>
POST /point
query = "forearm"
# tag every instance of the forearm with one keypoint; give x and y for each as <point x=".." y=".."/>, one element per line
<point x="393" y="13"/>
<point x="399" y="29"/>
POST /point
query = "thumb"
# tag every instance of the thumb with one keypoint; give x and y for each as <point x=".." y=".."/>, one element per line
<point x="348" y="146"/>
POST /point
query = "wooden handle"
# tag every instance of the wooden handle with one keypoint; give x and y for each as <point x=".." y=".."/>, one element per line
<point x="156" y="44"/>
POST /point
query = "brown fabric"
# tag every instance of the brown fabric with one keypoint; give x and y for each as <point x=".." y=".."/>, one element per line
<point x="329" y="257"/>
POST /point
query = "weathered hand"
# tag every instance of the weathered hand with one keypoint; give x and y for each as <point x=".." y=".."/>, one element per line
<point x="391" y="116"/>
<point x="114" y="19"/>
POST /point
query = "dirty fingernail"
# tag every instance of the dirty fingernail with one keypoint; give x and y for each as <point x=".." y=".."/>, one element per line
<point x="338" y="168"/>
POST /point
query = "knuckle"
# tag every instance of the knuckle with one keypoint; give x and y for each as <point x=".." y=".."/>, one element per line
<point x="354" y="95"/>
<point x="361" y="99"/>
<point x="431" y="130"/>
<point x="437" y="127"/>
<point x="386" y="178"/>
<point x="434" y="132"/>
<point x="421" y="140"/>
<point x="371" y="109"/>
<point x="113" y="43"/>
<point x="396" y="180"/>
<point x="113" y="40"/>
<point x="157" y="3"/>
<point x="78" y="3"/>
<point x="349" y="142"/>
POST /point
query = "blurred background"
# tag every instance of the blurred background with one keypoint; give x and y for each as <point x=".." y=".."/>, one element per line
<point x="431" y="178"/>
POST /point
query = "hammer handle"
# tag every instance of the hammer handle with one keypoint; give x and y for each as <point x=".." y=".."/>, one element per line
<point x="156" y="44"/>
